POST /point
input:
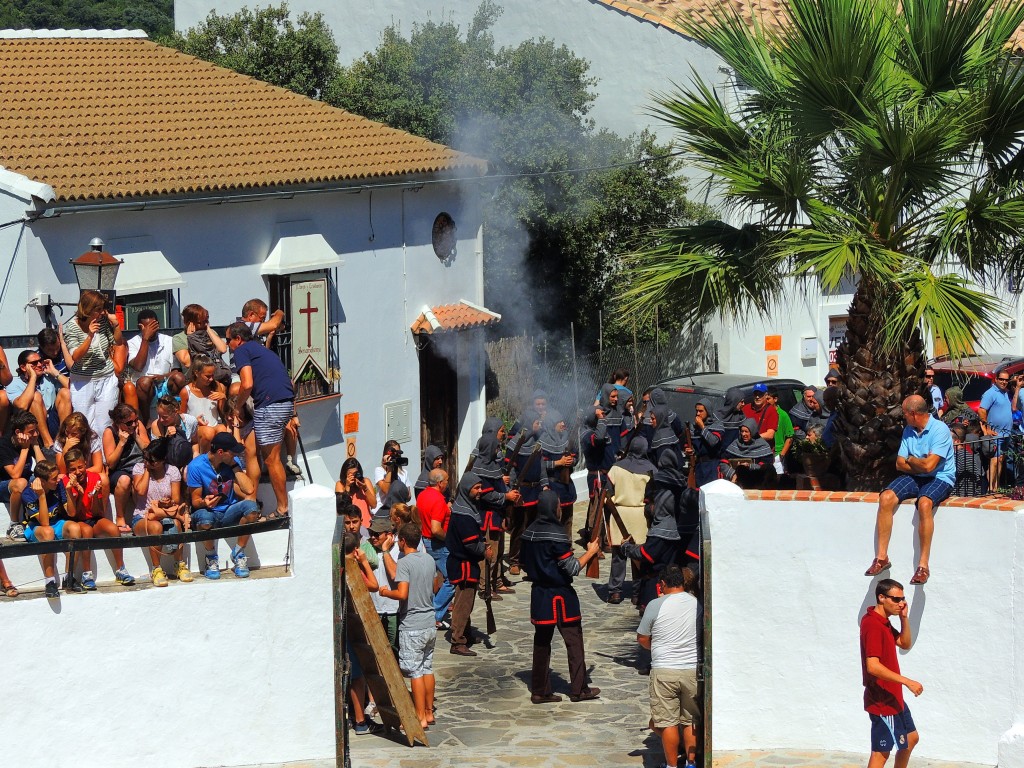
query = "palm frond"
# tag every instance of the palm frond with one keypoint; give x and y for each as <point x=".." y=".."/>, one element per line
<point x="937" y="40"/>
<point x="699" y="271"/>
<point x="945" y="306"/>
<point x="835" y="256"/>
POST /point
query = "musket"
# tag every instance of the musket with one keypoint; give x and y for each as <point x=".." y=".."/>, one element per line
<point x="530" y="461"/>
<point x="691" y="479"/>
<point x="596" y="534"/>
<point x="492" y="626"/>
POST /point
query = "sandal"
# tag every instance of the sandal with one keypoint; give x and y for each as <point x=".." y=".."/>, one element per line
<point x="277" y="514"/>
<point x="10" y="590"/>
<point x="877" y="566"/>
<point x="920" y="576"/>
<point x="505" y="590"/>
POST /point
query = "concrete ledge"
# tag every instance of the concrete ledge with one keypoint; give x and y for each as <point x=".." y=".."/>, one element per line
<point x="972" y="502"/>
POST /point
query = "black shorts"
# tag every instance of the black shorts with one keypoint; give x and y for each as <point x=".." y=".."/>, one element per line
<point x="888" y="731"/>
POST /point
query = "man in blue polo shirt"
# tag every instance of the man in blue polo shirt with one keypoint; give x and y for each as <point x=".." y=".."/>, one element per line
<point x="927" y="471"/>
<point x="996" y="414"/>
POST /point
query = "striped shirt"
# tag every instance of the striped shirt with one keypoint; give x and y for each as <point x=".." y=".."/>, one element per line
<point x="96" y="362"/>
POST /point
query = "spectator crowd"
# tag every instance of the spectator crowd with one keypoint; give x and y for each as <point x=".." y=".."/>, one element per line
<point x="108" y="437"/>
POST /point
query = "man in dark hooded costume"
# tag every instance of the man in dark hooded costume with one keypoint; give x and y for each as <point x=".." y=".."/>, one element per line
<point x="525" y="475"/>
<point x="433" y="458"/>
<point x="487" y="465"/>
<point x="550" y="566"/>
<point x="466" y="548"/>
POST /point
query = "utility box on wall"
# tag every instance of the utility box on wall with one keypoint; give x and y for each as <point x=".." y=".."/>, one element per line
<point x="396" y="421"/>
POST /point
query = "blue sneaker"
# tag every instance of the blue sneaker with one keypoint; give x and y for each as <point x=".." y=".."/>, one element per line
<point x="88" y="581"/>
<point x="124" y="578"/>
<point x="212" y="567"/>
<point x="366" y="727"/>
<point x="240" y="563"/>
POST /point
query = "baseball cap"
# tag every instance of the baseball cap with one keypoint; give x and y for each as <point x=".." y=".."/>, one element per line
<point x="380" y="525"/>
<point x="763" y="388"/>
<point x="225" y="441"/>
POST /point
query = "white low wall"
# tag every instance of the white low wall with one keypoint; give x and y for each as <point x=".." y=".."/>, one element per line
<point x="231" y="672"/>
<point x="788" y="595"/>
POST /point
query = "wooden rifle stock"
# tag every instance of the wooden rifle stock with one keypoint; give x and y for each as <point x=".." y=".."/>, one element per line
<point x="691" y="479"/>
<point x="597" y="534"/>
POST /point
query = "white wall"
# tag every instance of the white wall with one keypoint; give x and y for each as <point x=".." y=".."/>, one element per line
<point x="788" y="595"/>
<point x="210" y="673"/>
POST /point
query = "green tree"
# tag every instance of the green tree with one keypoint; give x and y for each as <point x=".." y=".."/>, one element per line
<point x="875" y="142"/>
<point x="553" y="238"/>
<point x="265" y="44"/>
<point x="155" y="17"/>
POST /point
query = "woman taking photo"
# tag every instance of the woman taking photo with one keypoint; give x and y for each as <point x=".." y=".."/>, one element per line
<point x="352" y="481"/>
<point x="89" y="341"/>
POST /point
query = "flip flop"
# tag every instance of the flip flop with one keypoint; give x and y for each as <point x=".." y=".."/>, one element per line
<point x="10" y="590"/>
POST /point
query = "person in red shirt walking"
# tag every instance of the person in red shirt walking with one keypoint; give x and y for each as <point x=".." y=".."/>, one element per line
<point x="891" y="722"/>
<point x="434" y="515"/>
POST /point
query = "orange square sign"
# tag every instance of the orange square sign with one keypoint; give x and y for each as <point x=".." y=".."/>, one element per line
<point x="772" y="343"/>
<point x="351" y="422"/>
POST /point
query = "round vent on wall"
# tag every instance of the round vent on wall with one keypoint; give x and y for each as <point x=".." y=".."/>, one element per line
<point x="444" y="237"/>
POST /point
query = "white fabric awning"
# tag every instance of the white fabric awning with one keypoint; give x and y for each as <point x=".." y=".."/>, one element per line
<point x="145" y="268"/>
<point x="299" y="248"/>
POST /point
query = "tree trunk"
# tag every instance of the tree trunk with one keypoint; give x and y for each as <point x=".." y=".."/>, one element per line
<point x="875" y="383"/>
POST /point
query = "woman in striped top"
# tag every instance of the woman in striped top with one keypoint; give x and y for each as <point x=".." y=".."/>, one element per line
<point x="89" y="340"/>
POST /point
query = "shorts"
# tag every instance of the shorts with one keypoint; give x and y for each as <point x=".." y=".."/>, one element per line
<point x="117" y="474"/>
<point x="891" y="730"/>
<point x="914" y="487"/>
<point x="58" y="531"/>
<point x="416" y="652"/>
<point x="269" y="422"/>
<point x="161" y="389"/>
<point x="5" y="491"/>
<point x="221" y="518"/>
<point x="673" y="697"/>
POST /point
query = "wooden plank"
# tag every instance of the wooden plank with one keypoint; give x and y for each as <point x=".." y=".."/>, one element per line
<point x="705" y="569"/>
<point x="370" y="644"/>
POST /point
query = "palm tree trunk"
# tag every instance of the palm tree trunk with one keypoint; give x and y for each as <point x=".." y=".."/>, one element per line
<point x="875" y="383"/>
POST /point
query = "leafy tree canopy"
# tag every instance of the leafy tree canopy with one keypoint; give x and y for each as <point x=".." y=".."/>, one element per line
<point x="155" y="17"/>
<point x="265" y="44"/>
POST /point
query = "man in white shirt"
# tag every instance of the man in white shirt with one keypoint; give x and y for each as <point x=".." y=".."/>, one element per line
<point x="150" y="360"/>
<point x="669" y="630"/>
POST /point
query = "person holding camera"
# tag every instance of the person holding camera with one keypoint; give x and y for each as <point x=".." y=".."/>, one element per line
<point x="89" y="340"/>
<point x="352" y="481"/>
<point x="391" y="472"/>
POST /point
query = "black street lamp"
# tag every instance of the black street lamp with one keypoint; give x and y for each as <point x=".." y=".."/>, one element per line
<point x="96" y="270"/>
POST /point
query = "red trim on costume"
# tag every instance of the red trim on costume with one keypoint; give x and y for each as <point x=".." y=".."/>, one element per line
<point x="465" y="577"/>
<point x="694" y="555"/>
<point x="566" y="555"/>
<point x="555" y="602"/>
<point x="468" y="539"/>
<point x="646" y="556"/>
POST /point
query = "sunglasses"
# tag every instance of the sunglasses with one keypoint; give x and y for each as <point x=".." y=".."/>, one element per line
<point x="831" y="381"/>
<point x="33" y="362"/>
<point x="1005" y="381"/>
<point x="895" y="599"/>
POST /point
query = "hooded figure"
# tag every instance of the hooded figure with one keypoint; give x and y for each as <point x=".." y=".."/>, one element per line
<point x="492" y="425"/>
<point x="547" y="558"/>
<point x="663" y="435"/>
<point x="616" y="427"/>
<point x="749" y="445"/>
<point x="465" y="551"/>
<point x="705" y="470"/>
<point x="803" y="416"/>
<point x="554" y="446"/>
<point x="725" y="423"/>
<point x="431" y="454"/>
<point x="662" y="546"/>
<point x="957" y="412"/>
<point x="658" y="397"/>
<point x="629" y="478"/>
<point x="488" y="467"/>
<point x="526" y="475"/>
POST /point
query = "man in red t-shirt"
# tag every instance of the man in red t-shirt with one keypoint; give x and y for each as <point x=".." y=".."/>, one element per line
<point x="760" y="410"/>
<point x="891" y="722"/>
<point x="434" y="513"/>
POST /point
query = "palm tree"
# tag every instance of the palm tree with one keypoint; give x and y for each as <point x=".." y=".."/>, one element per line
<point x="866" y="141"/>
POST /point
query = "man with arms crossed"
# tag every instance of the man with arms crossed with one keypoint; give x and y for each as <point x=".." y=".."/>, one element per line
<point x="891" y="723"/>
<point x="668" y="630"/>
<point x="927" y="472"/>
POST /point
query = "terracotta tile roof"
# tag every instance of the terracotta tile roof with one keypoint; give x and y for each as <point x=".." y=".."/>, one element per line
<point x="668" y="13"/>
<point x="454" y="317"/>
<point x="99" y="118"/>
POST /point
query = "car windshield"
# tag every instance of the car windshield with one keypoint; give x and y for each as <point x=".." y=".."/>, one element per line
<point x="974" y="385"/>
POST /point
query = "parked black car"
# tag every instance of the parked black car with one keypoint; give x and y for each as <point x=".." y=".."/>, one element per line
<point x="683" y="392"/>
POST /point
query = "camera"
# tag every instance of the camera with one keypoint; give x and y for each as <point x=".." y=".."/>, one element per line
<point x="397" y="459"/>
<point x="359" y="476"/>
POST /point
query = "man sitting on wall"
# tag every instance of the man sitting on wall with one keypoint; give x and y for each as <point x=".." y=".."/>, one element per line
<point x="216" y="481"/>
<point x="927" y="472"/>
<point x="150" y="360"/>
<point x="42" y="390"/>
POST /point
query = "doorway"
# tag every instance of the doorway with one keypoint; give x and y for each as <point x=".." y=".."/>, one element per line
<point x="439" y="397"/>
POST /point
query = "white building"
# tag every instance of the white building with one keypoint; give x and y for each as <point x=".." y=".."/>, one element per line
<point x="215" y="188"/>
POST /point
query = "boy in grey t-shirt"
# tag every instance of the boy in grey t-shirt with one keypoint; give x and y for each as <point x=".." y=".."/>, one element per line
<point x="416" y="629"/>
